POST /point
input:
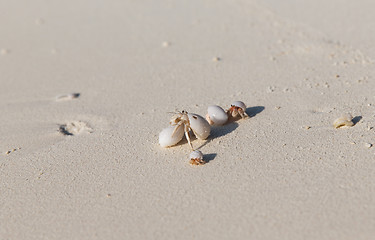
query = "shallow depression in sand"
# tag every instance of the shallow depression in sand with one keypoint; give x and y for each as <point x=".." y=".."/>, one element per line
<point x="75" y="128"/>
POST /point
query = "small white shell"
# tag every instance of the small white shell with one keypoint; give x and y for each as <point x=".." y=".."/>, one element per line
<point x="196" y="154"/>
<point x="165" y="136"/>
<point x="344" y="121"/>
<point x="199" y="125"/>
<point x="196" y="158"/>
<point x="239" y="104"/>
<point x="216" y="115"/>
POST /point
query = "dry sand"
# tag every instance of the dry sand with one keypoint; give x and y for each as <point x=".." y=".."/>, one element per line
<point x="285" y="173"/>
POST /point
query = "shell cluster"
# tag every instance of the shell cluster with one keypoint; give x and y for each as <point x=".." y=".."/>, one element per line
<point x="184" y="123"/>
<point x="217" y="116"/>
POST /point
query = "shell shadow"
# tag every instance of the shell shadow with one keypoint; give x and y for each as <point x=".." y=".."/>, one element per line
<point x="184" y="140"/>
<point x="219" y="131"/>
<point x="209" y="157"/>
<point x="356" y="119"/>
<point x="253" y="111"/>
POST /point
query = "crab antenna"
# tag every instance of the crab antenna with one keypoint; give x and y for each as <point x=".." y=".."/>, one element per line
<point x="187" y="135"/>
<point x="174" y="112"/>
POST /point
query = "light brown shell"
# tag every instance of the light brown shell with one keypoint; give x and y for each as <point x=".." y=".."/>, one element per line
<point x="344" y="121"/>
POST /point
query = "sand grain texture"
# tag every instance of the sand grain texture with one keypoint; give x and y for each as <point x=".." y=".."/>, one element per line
<point x="268" y="177"/>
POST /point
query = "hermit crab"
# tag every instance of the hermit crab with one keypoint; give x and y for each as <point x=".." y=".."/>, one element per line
<point x="237" y="108"/>
<point x="196" y="158"/>
<point x="184" y="122"/>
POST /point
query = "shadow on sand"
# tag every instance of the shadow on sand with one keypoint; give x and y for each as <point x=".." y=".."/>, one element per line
<point x="356" y="119"/>
<point x="253" y="111"/>
<point x="209" y="157"/>
<point x="220" y="131"/>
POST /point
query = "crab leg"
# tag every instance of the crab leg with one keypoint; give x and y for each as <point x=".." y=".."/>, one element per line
<point x="242" y="113"/>
<point x="188" y="136"/>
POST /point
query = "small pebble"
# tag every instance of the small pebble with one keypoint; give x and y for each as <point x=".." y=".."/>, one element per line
<point x="39" y="21"/>
<point x="368" y="145"/>
<point x="4" y="51"/>
<point x="216" y="59"/>
<point x="166" y="44"/>
<point x="307" y="127"/>
<point x="13" y="150"/>
<point x="270" y="89"/>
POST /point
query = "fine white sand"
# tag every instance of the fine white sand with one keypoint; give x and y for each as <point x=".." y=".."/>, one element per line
<point x="90" y="167"/>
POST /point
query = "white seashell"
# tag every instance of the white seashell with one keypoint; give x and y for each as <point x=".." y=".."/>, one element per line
<point x="196" y="155"/>
<point x="216" y="115"/>
<point x="237" y="108"/>
<point x="196" y="158"/>
<point x="199" y="125"/>
<point x="344" y="121"/>
<point x="167" y="138"/>
<point x="239" y="104"/>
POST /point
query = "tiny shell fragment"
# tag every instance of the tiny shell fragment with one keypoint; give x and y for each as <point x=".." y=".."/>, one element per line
<point x="69" y="96"/>
<point x="344" y="121"/>
<point x="368" y="145"/>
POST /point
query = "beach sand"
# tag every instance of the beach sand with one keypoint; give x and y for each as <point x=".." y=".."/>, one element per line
<point x="90" y="166"/>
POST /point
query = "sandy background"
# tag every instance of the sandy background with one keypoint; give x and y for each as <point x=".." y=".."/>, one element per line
<point x="297" y="64"/>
